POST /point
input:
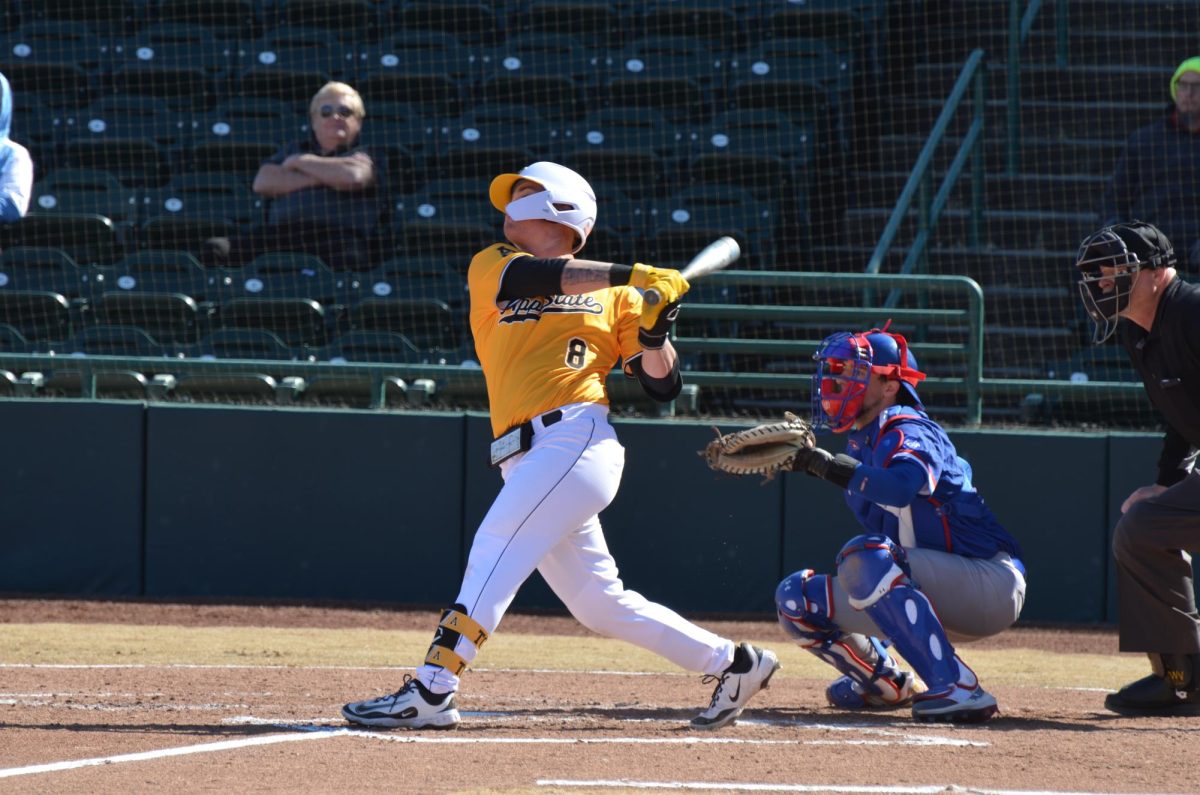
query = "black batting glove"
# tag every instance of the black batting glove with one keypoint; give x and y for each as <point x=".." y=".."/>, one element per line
<point x="837" y="469"/>
<point x="655" y="336"/>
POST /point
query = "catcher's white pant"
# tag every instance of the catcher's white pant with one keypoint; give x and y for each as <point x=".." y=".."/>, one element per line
<point x="546" y="518"/>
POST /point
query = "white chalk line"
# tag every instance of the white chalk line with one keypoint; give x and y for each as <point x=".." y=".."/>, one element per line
<point x="162" y="753"/>
<point x="866" y="789"/>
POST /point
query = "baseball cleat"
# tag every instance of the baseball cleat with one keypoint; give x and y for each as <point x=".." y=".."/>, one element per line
<point x="410" y="707"/>
<point x="845" y="693"/>
<point x="958" y="705"/>
<point x="750" y="672"/>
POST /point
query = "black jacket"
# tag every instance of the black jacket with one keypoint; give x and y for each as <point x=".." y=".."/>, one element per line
<point x="1168" y="359"/>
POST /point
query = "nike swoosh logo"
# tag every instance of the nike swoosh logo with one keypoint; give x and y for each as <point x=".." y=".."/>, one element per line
<point x="737" y="692"/>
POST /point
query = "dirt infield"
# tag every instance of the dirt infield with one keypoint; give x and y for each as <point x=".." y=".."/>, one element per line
<point x="76" y="716"/>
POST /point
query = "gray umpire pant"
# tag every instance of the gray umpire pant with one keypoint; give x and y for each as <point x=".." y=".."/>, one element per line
<point x="1155" y="597"/>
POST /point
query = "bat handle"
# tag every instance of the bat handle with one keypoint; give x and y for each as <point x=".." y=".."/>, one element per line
<point x="652" y="297"/>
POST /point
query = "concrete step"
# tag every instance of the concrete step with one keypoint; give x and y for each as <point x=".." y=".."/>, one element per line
<point x="1043" y="191"/>
<point x="1080" y="157"/>
<point x="1039" y="118"/>
<point x="1165" y="16"/>
<point x="1048" y="82"/>
<point x="1031" y="268"/>
<point x="1002" y="228"/>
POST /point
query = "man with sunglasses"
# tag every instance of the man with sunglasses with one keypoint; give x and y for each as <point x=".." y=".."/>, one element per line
<point x="548" y="329"/>
<point x="1157" y="175"/>
<point x="932" y="564"/>
<point x="325" y="193"/>
<point x="1129" y="286"/>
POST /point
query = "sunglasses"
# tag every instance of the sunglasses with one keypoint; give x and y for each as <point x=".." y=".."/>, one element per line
<point x="342" y="111"/>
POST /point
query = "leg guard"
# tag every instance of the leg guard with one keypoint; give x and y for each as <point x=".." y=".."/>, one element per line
<point x="455" y="624"/>
<point x="874" y="571"/>
<point x="804" y="601"/>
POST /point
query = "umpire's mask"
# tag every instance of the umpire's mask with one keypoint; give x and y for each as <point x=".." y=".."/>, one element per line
<point x="1108" y="261"/>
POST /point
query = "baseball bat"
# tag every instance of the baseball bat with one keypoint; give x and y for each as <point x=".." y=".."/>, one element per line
<point x="713" y="257"/>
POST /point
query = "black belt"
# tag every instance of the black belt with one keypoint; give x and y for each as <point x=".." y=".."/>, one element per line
<point x="519" y="438"/>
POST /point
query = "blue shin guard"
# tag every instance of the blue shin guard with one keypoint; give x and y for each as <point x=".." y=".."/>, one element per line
<point x="874" y="571"/>
<point x="871" y="677"/>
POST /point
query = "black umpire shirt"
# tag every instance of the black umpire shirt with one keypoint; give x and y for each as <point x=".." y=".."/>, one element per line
<point x="1168" y="359"/>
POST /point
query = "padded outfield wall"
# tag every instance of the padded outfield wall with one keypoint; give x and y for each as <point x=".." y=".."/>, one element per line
<point x="168" y="501"/>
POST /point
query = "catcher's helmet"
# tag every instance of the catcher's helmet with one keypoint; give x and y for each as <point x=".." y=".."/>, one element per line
<point x="845" y="362"/>
<point x="1108" y="261"/>
<point x="568" y="199"/>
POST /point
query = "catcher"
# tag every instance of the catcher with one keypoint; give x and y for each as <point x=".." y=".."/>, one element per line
<point x="929" y="540"/>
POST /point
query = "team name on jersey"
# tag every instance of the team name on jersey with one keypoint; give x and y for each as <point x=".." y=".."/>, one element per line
<point x="519" y="310"/>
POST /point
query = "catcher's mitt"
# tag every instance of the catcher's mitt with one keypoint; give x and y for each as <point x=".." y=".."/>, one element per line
<point x="761" y="450"/>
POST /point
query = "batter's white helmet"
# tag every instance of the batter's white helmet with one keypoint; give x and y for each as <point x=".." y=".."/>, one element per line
<point x="568" y="199"/>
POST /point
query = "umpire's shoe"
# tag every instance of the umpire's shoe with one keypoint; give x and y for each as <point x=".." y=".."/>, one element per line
<point x="750" y="671"/>
<point x="1173" y="688"/>
<point x="410" y="707"/>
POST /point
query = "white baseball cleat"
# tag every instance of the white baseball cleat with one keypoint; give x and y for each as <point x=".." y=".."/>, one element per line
<point x="750" y="672"/>
<point x="410" y="707"/>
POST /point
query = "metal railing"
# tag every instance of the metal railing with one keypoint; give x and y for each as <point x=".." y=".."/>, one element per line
<point x="1019" y="26"/>
<point x="919" y="187"/>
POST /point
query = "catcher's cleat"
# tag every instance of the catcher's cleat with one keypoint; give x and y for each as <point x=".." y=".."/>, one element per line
<point x="750" y="672"/>
<point x="958" y="705"/>
<point x="410" y="707"/>
<point x="845" y="693"/>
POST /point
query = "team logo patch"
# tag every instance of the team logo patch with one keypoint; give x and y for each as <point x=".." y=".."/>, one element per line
<point x="519" y="310"/>
<point x="911" y="444"/>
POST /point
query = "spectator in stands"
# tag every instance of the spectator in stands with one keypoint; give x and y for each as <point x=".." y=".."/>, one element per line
<point x="1157" y="178"/>
<point x="16" y="165"/>
<point x="325" y="193"/>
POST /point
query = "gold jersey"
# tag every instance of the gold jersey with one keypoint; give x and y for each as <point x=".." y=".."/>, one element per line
<point x="544" y="352"/>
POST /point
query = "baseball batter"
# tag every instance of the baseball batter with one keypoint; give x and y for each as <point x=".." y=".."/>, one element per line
<point x="933" y="562"/>
<point x="548" y="330"/>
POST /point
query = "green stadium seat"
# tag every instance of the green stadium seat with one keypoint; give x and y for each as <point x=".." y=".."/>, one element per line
<point x="372" y="347"/>
<point x="434" y="52"/>
<point x="207" y="195"/>
<point x="70" y="190"/>
<point x="429" y="323"/>
<point x="598" y="24"/>
<point x="172" y="318"/>
<point x="242" y="132"/>
<point x="245" y="343"/>
<point x="554" y="96"/>
<point x="12" y="340"/>
<point x="450" y="219"/>
<point x="182" y="232"/>
<point x="286" y="274"/>
<point x="348" y="20"/>
<point x="630" y="130"/>
<point x="714" y="23"/>
<point x="418" y="277"/>
<point x="296" y="321"/>
<point x="239" y="20"/>
<point x="539" y="53"/>
<point x="135" y="162"/>
<point x="89" y="239"/>
<point x="116" y="341"/>
<point x="505" y="126"/>
<point x="471" y="21"/>
<point x="186" y="88"/>
<point x="639" y="172"/>
<point x="300" y="48"/>
<point x="59" y="85"/>
<point x="415" y="83"/>
<point x="44" y="268"/>
<point x="134" y="117"/>
<point x="107" y="17"/>
<point x="56" y="41"/>
<point x="293" y="85"/>
<point x="160" y="271"/>
<point x="683" y="224"/>
<point x="181" y="46"/>
<point x="39" y="315"/>
<point x="8" y="382"/>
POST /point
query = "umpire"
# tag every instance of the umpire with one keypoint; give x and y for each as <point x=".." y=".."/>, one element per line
<point x="1127" y="271"/>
